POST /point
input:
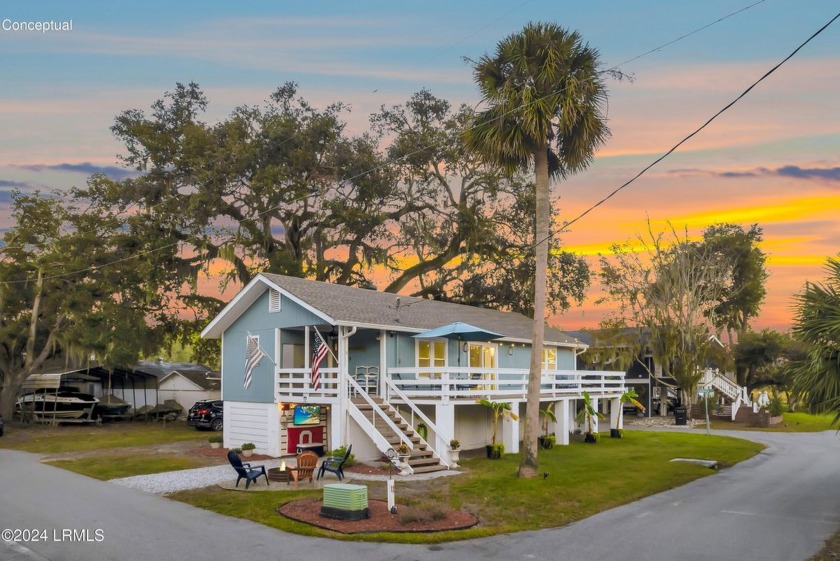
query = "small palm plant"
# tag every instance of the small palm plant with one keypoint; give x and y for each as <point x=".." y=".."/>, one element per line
<point x="587" y="416"/>
<point x="501" y="410"/>
<point x="547" y="441"/>
<point x="630" y="397"/>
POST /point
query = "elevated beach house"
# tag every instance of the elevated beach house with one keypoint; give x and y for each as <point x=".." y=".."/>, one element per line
<point x="382" y="380"/>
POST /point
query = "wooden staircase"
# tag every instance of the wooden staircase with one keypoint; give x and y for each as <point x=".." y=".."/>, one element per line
<point x="422" y="459"/>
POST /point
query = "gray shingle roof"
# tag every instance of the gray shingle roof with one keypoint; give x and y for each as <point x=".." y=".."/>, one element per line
<point x="346" y="304"/>
<point x="204" y="380"/>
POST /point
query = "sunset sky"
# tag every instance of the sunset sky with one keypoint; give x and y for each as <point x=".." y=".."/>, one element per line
<point x="773" y="159"/>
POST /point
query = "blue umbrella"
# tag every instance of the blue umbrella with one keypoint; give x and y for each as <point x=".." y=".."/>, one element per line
<point x="461" y="331"/>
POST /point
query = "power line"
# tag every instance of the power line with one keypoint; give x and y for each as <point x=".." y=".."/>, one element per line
<point x="695" y="132"/>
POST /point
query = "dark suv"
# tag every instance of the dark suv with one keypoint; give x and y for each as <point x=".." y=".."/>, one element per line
<point x="206" y="415"/>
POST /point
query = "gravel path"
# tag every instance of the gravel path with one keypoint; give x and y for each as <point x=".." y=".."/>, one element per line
<point x="182" y="480"/>
<point x="171" y="481"/>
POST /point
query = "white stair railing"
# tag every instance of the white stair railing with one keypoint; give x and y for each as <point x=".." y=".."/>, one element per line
<point x="443" y="439"/>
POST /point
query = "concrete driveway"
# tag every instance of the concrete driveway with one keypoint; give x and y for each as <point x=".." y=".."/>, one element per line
<point x="778" y="506"/>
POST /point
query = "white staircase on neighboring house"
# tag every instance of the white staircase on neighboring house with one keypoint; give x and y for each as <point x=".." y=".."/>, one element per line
<point x="739" y="396"/>
<point x="388" y="429"/>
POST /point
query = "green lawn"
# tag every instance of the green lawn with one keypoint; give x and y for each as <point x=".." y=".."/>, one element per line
<point x="791" y="422"/>
<point x="582" y="479"/>
<point x="111" y="466"/>
<point x="43" y="439"/>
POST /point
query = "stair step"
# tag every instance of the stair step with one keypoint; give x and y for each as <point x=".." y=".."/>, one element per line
<point x="428" y="469"/>
<point x="424" y="462"/>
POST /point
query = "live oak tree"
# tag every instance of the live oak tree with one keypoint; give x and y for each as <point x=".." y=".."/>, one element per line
<point x="742" y="299"/>
<point x="470" y="235"/>
<point x="546" y="105"/>
<point x="72" y="285"/>
<point x="669" y="286"/>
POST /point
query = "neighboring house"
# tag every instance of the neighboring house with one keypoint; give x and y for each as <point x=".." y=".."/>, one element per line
<point x="378" y="375"/>
<point x="188" y="386"/>
<point x="629" y="347"/>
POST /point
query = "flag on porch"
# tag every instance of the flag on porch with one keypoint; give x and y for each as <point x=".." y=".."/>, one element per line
<point x="319" y="353"/>
<point x="253" y="355"/>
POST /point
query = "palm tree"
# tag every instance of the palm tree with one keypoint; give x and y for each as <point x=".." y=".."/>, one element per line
<point x="816" y="378"/>
<point x="546" y="108"/>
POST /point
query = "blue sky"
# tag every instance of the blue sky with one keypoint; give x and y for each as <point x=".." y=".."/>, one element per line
<point x="773" y="159"/>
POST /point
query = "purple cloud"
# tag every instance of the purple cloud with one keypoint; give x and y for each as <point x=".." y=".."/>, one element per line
<point x="795" y="172"/>
<point x="86" y="168"/>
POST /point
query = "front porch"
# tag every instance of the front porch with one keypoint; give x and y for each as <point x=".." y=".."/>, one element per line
<point x="438" y="404"/>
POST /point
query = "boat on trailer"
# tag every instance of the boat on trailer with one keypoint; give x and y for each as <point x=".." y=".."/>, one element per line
<point x="62" y="403"/>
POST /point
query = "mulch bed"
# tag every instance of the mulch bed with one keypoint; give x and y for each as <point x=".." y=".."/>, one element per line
<point x="308" y="511"/>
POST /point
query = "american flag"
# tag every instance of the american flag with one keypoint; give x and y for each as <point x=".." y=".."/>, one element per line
<point x="319" y="352"/>
<point x="253" y="355"/>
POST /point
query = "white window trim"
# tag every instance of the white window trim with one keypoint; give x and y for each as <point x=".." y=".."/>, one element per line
<point x="431" y="342"/>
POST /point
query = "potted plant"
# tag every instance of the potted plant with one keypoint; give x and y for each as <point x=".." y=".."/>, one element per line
<point x="586" y="417"/>
<point x="215" y="441"/>
<point x="454" y="451"/>
<point x="248" y="449"/>
<point x="501" y="410"/>
<point x="630" y="397"/>
<point x="548" y="441"/>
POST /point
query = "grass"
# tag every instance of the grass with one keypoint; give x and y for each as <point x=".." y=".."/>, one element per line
<point x="106" y="467"/>
<point x="43" y="439"/>
<point x="791" y="422"/>
<point x="582" y="479"/>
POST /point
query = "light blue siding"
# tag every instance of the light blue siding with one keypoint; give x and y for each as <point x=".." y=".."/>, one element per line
<point x="364" y="349"/>
<point x="259" y="322"/>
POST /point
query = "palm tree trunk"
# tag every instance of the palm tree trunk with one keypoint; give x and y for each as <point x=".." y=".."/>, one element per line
<point x="528" y="466"/>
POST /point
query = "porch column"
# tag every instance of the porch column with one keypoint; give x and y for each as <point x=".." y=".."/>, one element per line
<point x="383" y="365"/>
<point x="336" y="427"/>
<point x="343" y="335"/>
<point x="563" y="426"/>
<point x="510" y="431"/>
<point x="595" y="404"/>
<point x="445" y="421"/>
<point x="616" y="414"/>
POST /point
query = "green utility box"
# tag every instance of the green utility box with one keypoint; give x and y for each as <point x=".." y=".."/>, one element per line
<point x="343" y="501"/>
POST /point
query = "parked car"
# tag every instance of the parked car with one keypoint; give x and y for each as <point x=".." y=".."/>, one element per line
<point x="1" y="425"/>
<point x="207" y="415"/>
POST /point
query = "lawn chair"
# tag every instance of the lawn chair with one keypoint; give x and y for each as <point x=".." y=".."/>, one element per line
<point x="334" y="464"/>
<point x="245" y="471"/>
<point x="306" y="464"/>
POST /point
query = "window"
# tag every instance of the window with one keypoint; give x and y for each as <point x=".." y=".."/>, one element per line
<point x="431" y="354"/>
<point x="273" y="300"/>
<point x="549" y="359"/>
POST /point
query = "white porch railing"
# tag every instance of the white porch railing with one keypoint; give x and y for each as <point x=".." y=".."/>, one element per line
<point x="431" y="384"/>
<point x="296" y="384"/>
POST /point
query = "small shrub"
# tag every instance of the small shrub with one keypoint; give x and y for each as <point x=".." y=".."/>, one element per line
<point x="249" y="446"/>
<point x="340" y="452"/>
<point x="775" y="406"/>
<point x="236" y="450"/>
<point x="403" y="449"/>
<point x="421" y="513"/>
<point x="454" y="444"/>
<point x="215" y="438"/>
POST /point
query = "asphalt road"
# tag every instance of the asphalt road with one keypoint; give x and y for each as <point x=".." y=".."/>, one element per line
<point x="778" y="506"/>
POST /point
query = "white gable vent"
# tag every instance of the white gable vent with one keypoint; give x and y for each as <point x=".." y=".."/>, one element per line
<point x="273" y="300"/>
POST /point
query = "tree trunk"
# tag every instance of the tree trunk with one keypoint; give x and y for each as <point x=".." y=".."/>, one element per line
<point x="528" y="466"/>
